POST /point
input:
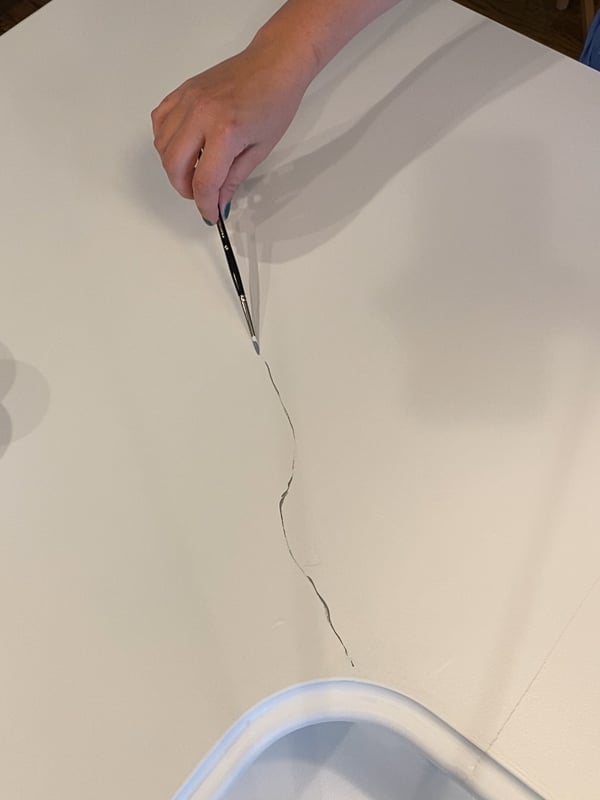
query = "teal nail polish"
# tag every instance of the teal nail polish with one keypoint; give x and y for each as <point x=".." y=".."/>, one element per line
<point x="210" y="224"/>
<point x="227" y="210"/>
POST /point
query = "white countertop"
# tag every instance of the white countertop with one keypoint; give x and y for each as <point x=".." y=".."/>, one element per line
<point x="424" y="241"/>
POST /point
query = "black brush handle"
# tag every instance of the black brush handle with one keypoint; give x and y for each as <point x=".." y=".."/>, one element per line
<point x="231" y="262"/>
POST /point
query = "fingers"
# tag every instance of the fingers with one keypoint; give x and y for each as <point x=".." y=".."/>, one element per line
<point x="179" y="153"/>
<point x="213" y="179"/>
<point x="163" y="109"/>
<point x="177" y="142"/>
<point x="240" y="169"/>
<point x="210" y="113"/>
<point x="219" y="153"/>
<point x="157" y="116"/>
<point x="179" y="136"/>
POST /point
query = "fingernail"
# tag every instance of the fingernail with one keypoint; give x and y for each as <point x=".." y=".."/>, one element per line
<point x="227" y="210"/>
<point x="210" y="224"/>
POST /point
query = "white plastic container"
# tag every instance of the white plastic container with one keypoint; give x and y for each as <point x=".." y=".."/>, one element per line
<point x="347" y="740"/>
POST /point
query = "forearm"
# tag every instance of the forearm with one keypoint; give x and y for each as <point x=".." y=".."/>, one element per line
<point x="314" y="31"/>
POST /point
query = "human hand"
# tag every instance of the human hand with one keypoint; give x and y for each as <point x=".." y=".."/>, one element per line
<point x="234" y="113"/>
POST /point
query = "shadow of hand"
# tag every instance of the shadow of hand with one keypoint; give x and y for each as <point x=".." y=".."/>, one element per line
<point x="345" y="173"/>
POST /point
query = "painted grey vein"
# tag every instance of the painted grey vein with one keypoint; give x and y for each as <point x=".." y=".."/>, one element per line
<point x="282" y="500"/>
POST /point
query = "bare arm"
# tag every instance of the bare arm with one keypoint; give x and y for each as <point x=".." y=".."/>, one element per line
<point x="238" y="110"/>
<point x="322" y="26"/>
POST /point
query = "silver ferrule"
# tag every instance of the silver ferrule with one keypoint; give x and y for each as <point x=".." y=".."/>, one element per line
<point x="246" y="311"/>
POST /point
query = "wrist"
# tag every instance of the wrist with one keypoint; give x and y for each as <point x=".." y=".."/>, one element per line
<point x="289" y="51"/>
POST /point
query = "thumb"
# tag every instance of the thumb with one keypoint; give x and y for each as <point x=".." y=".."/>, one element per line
<point x="241" y="168"/>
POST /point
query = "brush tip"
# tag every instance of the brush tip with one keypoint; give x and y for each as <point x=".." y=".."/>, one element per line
<point x="256" y="347"/>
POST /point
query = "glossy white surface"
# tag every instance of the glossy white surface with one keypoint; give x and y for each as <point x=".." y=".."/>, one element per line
<point x="426" y="246"/>
<point x="352" y="761"/>
<point x="394" y="746"/>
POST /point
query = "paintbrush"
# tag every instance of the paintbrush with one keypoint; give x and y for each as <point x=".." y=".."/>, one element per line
<point x="237" y="279"/>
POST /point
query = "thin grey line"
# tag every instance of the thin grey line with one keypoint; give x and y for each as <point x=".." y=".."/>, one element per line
<point x="282" y="500"/>
<point x="544" y="662"/>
